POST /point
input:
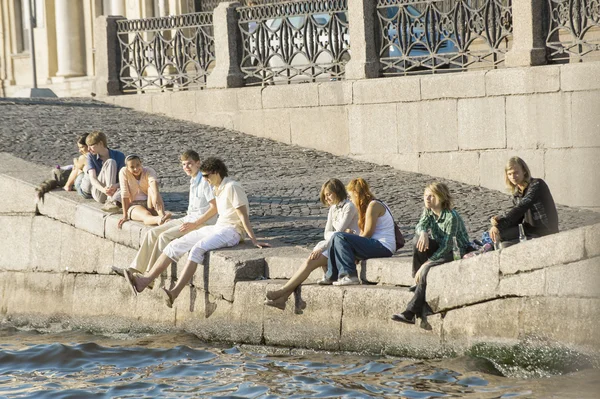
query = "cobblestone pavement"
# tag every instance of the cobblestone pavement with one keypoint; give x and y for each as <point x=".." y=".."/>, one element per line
<point x="282" y="181"/>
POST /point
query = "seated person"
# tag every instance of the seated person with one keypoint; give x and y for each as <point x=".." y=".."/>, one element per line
<point x="139" y="194"/>
<point x="233" y="221"/>
<point x="102" y="179"/>
<point x="534" y="206"/>
<point x="445" y="224"/>
<point x="202" y="210"/>
<point x="342" y="216"/>
<point x="79" y="165"/>
<point x="376" y="239"/>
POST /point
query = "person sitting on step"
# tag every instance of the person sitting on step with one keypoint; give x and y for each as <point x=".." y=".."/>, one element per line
<point x="342" y="216"/>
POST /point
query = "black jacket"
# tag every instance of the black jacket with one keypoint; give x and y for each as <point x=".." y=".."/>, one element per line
<point x="534" y="208"/>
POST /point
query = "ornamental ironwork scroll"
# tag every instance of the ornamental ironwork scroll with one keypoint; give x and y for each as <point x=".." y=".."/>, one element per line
<point x="175" y="52"/>
<point x="210" y="5"/>
<point x="294" y="42"/>
<point x="443" y="35"/>
<point x="574" y="29"/>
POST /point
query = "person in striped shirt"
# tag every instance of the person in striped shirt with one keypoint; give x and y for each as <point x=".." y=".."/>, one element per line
<point x="443" y="223"/>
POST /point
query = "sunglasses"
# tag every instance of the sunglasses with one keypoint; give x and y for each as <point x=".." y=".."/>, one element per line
<point x="205" y="175"/>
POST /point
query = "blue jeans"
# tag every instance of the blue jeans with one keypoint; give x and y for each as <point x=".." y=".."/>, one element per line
<point x="345" y="248"/>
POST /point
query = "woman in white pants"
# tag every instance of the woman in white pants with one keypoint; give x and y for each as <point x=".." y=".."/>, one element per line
<point x="232" y="223"/>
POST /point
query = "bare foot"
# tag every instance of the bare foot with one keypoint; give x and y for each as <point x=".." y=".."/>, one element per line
<point x="275" y="294"/>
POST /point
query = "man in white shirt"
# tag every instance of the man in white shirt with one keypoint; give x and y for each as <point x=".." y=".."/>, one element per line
<point x="233" y="222"/>
<point x="202" y="211"/>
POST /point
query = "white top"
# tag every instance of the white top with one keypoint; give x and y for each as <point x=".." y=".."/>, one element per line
<point x="230" y="196"/>
<point x="384" y="230"/>
<point x="341" y="216"/>
<point x="201" y="194"/>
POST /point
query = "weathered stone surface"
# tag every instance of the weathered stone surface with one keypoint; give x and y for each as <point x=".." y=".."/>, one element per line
<point x="15" y="242"/>
<point x="530" y="125"/>
<point x="483" y="322"/>
<point x="185" y="104"/>
<point x="492" y="163"/>
<point x="21" y="199"/>
<point x="481" y="115"/>
<point x="323" y="127"/>
<point x="592" y="240"/>
<point x="531" y="283"/>
<point x="316" y="327"/>
<point x="549" y="250"/>
<point x="281" y="263"/>
<point x="128" y="101"/>
<point x="60" y="205"/>
<point x="46" y="245"/>
<point x="586" y="118"/>
<point x="371" y="327"/>
<point x="427" y="126"/>
<point x="122" y="257"/>
<point x="573" y="320"/>
<point x="161" y="103"/>
<point x="565" y="177"/>
<point x="216" y="119"/>
<point x="368" y="121"/>
<point x="406" y="162"/>
<point x="386" y="90"/>
<point x="146" y="103"/>
<point x="273" y="124"/>
<point x="463" y="282"/>
<point x="335" y="93"/>
<point x="452" y="85"/>
<point x="89" y="217"/>
<point x="290" y="96"/>
<point x="388" y="271"/>
<point x="83" y="252"/>
<point x="463" y="165"/>
<point x="249" y="98"/>
<point x="511" y="81"/>
<point x="128" y="235"/>
<point x="580" y="76"/>
<point x="216" y="100"/>
<point x="579" y="279"/>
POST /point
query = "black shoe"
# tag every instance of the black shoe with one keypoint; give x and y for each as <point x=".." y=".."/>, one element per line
<point x="403" y="318"/>
<point x="412" y="288"/>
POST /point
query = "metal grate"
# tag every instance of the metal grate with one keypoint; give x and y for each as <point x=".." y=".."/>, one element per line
<point x="434" y="36"/>
<point x="170" y="53"/>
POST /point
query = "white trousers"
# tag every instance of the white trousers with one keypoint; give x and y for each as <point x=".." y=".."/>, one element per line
<point x="199" y="242"/>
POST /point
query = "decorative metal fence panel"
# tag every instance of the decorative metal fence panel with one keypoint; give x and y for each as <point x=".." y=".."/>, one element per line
<point x="574" y="29"/>
<point x="443" y="35"/>
<point x="210" y="5"/>
<point x="294" y="42"/>
<point x="175" y="52"/>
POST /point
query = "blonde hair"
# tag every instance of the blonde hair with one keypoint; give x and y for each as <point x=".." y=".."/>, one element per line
<point x="512" y="162"/>
<point x="95" y="138"/>
<point x="336" y="187"/>
<point x="441" y="191"/>
<point x="364" y="196"/>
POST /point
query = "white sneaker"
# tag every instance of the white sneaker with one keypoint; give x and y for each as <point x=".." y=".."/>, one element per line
<point x="110" y="207"/>
<point x="347" y="281"/>
<point x="324" y="281"/>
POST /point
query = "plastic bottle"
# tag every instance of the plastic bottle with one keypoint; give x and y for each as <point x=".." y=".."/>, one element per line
<point x="522" y="236"/>
<point x="455" y="249"/>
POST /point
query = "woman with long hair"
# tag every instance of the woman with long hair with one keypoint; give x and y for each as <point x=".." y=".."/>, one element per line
<point x="534" y="206"/>
<point x="376" y="238"/>
<point x="342" y="216"/>
<point x="445" y="224"/>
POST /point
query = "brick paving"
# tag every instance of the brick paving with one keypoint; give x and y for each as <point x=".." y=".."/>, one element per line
<point x="282" y="181"/>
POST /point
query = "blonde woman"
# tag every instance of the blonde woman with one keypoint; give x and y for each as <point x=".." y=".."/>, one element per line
<point x="534" y="206"/>
<point x="443" y="223"/>
<point x="139" y="192"/>
<point x="342" y="216"/>
<point x="376" y="238"/>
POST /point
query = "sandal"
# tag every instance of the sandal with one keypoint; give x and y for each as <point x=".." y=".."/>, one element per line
<point x="276" y="304"/>
<point x="130" y="277"/>
<point x="164" y="218"/>
<point x="167" y="297"/>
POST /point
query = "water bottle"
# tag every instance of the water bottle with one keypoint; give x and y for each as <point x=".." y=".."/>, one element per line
<point x="455" y="249"/>
<point x="522" y="236"/>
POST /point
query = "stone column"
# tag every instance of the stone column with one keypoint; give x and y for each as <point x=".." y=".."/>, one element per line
<point x="70" y="37"/>
<point x="163" y="8"/>
<point x="228" y="48"/>
<point x="364" y="52"/>
<point x="529" y="38"/>
<point x="117" y="7"/>
<point x="108" y="56"/>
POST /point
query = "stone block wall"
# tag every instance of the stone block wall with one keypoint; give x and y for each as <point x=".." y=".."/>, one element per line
<point x="461" y="126"/>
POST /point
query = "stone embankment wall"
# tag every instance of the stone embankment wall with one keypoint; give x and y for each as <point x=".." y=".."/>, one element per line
<point x="461" y="126"/>
<point x="57" y="255"/>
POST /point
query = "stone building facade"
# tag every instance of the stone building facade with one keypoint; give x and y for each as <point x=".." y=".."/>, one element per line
<point x="63" y="39"/>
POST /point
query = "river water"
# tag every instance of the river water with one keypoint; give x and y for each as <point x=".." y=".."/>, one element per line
<point x="76" y="364"/>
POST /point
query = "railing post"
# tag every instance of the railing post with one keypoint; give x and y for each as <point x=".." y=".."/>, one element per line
<point x="529" y="38"/>
<point x="364" y="52"/>
<point x="228" y="45"/>
<point x="107" y="56"/>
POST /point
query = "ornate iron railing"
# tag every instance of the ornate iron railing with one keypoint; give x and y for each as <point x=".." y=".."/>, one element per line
<point x="210" y="5"/>
<point x="574" y="29"/>
<point x="439" y="35"/>
<point x="175" y="52"/>
<point x="297" y="41"/>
